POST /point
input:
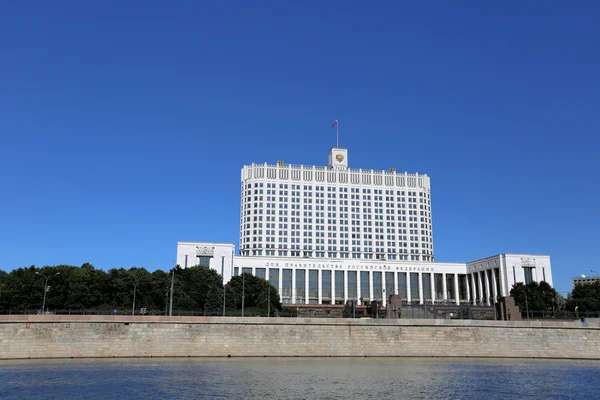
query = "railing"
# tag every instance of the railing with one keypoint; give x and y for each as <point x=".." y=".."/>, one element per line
<point x="322" y="168"/>
<point x="409" y="311"/>
<point x="558" y="315"/>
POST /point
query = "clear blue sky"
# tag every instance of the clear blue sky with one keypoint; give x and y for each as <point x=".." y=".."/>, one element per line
<point x="124" y="125"/>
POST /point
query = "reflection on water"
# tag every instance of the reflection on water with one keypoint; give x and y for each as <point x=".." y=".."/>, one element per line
<point x="298" y="378"/>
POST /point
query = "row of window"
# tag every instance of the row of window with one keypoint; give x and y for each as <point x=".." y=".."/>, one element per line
<point x="312" y="285"/>
<point x="356" y="224"/>
<point x="297" y="188"/>
<point x="342" y="255"/>
<point x="283" y="197"/>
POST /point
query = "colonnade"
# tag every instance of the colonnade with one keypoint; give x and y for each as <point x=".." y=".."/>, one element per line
<point x="326" y="286"/>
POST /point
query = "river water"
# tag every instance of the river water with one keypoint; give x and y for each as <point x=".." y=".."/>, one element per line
<point x="299" y="378"/>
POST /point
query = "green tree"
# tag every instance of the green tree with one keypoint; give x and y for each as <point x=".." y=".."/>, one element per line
<point x="160" y="289"/>
<point x="561" y="302"/>
<point x="192" y="286"/>
<point x="86" y="288"/>
<point x="585" y="296"/>
<point x="255" y="290"/>
<point x="534" y="296"/>
<point x="214" y="301"/>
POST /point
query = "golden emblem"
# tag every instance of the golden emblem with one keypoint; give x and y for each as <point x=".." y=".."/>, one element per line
<point x="339" y="157"/>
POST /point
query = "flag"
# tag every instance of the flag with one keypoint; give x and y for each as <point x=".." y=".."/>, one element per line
<point x="334" y="124"/>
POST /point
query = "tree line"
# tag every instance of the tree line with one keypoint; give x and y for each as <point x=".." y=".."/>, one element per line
<point x="543" y="297"/>
<point x="78" y="289"/>
<point x="199" y="289"/>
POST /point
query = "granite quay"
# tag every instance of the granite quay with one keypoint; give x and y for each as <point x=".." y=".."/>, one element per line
<point x="82" y="336"/>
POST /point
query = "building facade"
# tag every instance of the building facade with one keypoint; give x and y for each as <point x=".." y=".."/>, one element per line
<point x="326" y="235"/>
<point x="585" y="280"/>
<point x="335" y="212"/>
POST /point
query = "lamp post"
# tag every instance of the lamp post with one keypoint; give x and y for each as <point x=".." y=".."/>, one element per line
<point x="46" y="288"/>
<point x="171" y="303"/>
<point x="223" y="276"/>
<point x="526" y="305"/>
<point x="167" y="301"/>
<point x="133" y="307"/>
<point x="376" y="301"/>
<point x="243" y="291"/>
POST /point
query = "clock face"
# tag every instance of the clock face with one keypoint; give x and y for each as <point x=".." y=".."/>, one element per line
<point x="339" y="157"/>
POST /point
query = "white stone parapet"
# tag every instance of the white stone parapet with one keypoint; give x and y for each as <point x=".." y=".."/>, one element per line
<point x="354" y="176"/>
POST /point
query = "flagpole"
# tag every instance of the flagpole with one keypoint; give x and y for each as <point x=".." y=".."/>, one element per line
<point x="337" y="136"/>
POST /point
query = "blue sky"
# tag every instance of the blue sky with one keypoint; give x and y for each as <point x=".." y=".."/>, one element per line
<point x="124" y="125"/>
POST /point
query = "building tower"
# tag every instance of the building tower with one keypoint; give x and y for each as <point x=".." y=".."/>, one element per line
<point x="335" y="212"/>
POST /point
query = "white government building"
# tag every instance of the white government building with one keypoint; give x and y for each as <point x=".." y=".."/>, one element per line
<point x="326" y="235"/>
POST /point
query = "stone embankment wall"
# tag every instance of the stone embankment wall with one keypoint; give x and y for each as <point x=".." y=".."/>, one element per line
<point x="114" y="336"/>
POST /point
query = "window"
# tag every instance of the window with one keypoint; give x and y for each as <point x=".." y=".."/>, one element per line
<point x="414" y="286"/>
<point x="300" y="286"/>
<point x="364" y="287"/>
<point x="286" y="292"/>
<point x="426" y="286"/>
<point x="204" y="261"/>
<point x="351" y="284"/>
<point x="339" y="287"/>
<point x="528" y="272"/>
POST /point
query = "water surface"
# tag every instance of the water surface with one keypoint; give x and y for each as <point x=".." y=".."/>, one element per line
<point x="299" y="378"/>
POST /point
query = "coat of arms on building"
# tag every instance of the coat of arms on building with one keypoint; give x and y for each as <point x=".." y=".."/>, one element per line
<point x="339" y="157"/>
<point x="527" y="262"/>
<point x="205" y="251"/>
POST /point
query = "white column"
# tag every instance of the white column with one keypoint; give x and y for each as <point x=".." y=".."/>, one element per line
<point x="420" y="278"/>
<point x="487" y="288"/>
<point x="456" y="294"/>
<point x="395" y="283"/>
<point x="474" y="288"/>
<point x="444" y="287"/>
<point x="480" y="286"/>
<point x="280" y="284"/>
<point x="494" y="286"/>
<point x="320" y="285"/>
<point x="345" y="286"/>
<point x="432" y="286"/>
<point x="371" y="291"/>
<point x="333" y="286"/>
<point x="501" y="276"/>
<point x="306" y="286"/>
<point x="408" y="292"/>
<point x="253" y="271"/>
<point x="358" y="288"/>
<point x="383" y="288"/>
<point x="293" y="286"/>
<point x="468" y="290"/>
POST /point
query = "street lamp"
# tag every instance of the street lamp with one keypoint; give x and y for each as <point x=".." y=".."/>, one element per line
<point x="45" y="288"/>
<point x="223" y="277"/>
<point x="172" y="284"/>
<point x="596" y="272"/>
<point x="526" y="305"/>
<point x="133" y="307"/>
<point x="167" y="301"/>
<point x="243" y="291"/>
